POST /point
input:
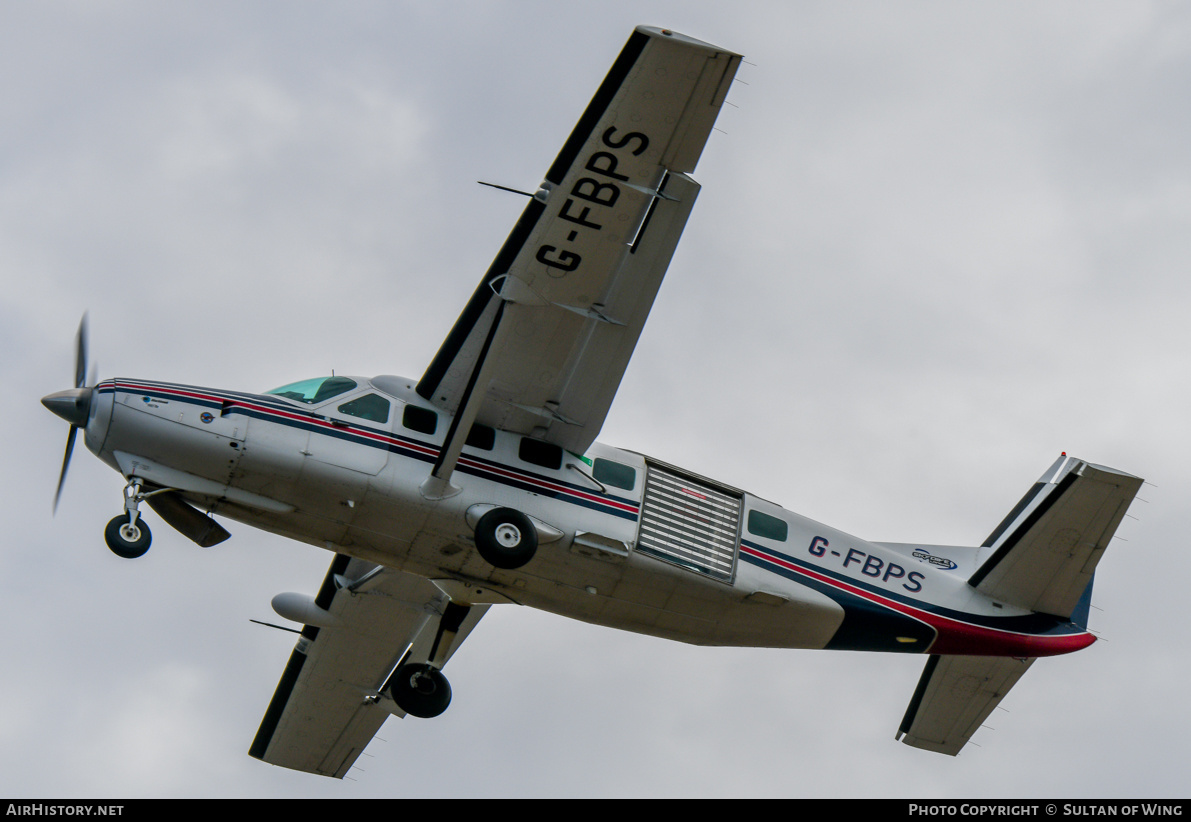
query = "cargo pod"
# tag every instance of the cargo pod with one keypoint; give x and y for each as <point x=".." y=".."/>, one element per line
<point x="690" y="521"/>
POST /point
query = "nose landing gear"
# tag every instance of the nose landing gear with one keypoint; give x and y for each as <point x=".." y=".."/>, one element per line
<point x="127" y="538"/>
<point x="128" y="535"/>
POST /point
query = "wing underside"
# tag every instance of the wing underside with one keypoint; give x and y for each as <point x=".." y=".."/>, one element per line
<point x="539" y="349"/>
<point x="542" y="345"/>
<point x="332" y="699"/>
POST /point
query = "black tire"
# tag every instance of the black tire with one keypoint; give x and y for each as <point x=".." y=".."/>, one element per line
<point x="506" y="538"/>
<point x="127" y="542"/>
<point x="420" y="690"/>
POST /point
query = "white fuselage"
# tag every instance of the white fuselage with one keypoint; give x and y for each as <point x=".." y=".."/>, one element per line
<point x="647" y="548"/>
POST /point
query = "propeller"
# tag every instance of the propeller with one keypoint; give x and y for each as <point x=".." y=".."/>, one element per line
<point x="73" y="404"/>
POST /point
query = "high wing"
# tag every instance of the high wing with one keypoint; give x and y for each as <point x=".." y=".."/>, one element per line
<point x="542" y="344"/>
<point x="954" y="696"/>
<point x="1043" y="555"/>
<point x="539" y="349"/>
<point x="332" y="698"/>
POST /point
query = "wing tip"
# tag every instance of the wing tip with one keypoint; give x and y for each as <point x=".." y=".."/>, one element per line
<point x="658" y="33"/>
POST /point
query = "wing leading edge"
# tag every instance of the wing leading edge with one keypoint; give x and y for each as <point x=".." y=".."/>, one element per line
<point x="542" y="344"/>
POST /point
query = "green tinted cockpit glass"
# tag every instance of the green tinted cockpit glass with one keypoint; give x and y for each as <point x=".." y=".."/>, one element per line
<point x="314" y="391"/>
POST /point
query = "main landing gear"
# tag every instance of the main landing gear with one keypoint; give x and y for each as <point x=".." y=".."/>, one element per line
<point x="506" y="538"/>
<point x="420" y="690"/>
<point x="128" y="535"/>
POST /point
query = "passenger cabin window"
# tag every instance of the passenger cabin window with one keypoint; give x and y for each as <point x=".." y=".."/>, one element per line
<point x="314" y="391"/>
<point x="482" y="437"/>
<point x="419" y="419"/>
<point x="372" y="407"/>
<point x="767" y="527"/>
<point x="614" y="474"/>
<point x="540" y="453"/>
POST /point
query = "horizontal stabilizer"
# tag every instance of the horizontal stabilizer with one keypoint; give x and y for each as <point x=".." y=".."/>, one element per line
<point x="1043" y="555"/>
<point x="955" y="695"/>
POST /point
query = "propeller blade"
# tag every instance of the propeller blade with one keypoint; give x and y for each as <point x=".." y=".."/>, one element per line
<point x="65" y="465"/>
<point x="73" y="405"/>
<point x="80" y="356"/>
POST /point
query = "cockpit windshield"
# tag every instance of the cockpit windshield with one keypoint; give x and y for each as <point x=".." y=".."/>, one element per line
<point x="316" y="390"/>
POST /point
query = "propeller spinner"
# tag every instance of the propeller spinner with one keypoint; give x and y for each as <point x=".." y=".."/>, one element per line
<point x="73" y="404"/>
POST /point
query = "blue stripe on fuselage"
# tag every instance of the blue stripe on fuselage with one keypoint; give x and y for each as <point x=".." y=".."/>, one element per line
<point x="282" y="413"/>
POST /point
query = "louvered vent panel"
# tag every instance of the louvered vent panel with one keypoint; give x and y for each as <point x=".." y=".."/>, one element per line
<point x="689" y="522"/>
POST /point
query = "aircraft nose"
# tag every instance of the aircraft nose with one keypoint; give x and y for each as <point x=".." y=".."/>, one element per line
<point x="72" y="405"/>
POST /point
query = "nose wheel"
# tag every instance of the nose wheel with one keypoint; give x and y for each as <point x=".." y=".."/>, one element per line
<point x="128" y="535"/>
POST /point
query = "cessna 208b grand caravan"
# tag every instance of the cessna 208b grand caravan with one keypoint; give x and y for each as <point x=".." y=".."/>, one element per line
<point x="482" y="483"/>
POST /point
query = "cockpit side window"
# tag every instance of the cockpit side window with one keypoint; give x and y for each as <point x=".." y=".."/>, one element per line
<point x="370" y="407"/>
<point x="419" y="419"/>
<point x="316" y="390"/>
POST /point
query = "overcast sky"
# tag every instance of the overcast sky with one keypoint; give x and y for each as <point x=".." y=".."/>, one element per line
<point x="937" y="244"/>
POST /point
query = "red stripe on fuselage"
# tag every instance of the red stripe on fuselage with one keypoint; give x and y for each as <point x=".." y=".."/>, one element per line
<point x="953" y="636"/>
<point x="412" y="445"/>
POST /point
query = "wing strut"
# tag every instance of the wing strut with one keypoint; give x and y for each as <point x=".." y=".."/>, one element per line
<point x="438" y="484"/>
<point x="582" y="266"/>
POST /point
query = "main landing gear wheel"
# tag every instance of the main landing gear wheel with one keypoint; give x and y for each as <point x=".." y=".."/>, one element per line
<point x="420" y="690"/>
<point x="126" y="538"/>
<point x="506" y="538"/>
